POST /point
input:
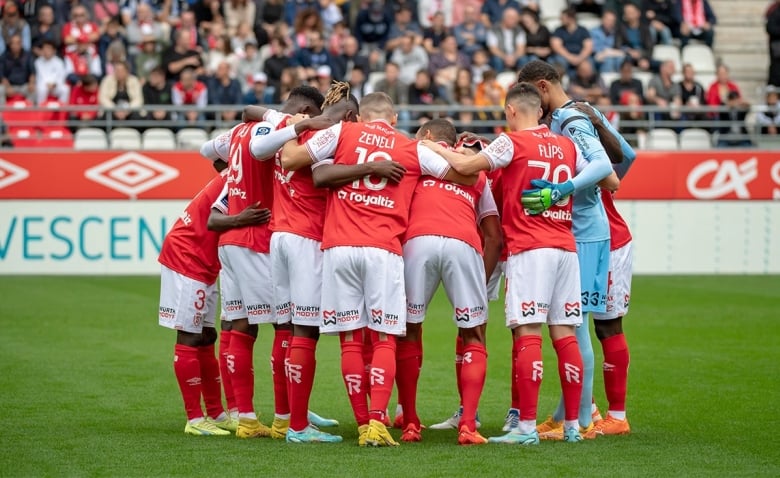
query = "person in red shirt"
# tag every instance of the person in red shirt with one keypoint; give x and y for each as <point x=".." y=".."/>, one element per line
<point x="365" y="220"/>
<point x="188" y="296"/>
<point x="79" y="26"/>
<point x="443" y="244"/>
<point x="542" y="269"/>
<point x="188" y="91"/>
<point x="85" y="94"/>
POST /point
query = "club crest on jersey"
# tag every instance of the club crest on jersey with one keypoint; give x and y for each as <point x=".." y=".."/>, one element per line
<point x="462" y="315"/>
<point x="572" y="309"/>
<point x="376" y="316"/>
<point x="528" y="308"/>
<point x="329" y="317"/>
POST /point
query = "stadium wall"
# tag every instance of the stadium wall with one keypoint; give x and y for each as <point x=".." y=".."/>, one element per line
<point x="107" y="212"/>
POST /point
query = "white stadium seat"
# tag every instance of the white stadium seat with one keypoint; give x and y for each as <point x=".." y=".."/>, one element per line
<point x="668" y="52"/>
<point x="662" y="139"/>
<point x="218" y="132"/>
<point x="125" y="138"/>
<point x="695" y="139"/>
<point x="90" y="139"/>
<point x="191" y="138"/>
<point x="700" y="56"/>
<point x="506" y="79"/>
<point x="159" y="139"/>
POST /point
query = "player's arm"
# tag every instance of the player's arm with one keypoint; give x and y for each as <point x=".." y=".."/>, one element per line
<point x="295" y="156"/>
<point x="328" y="175"/>
<point x="263" y="146"/>
<point x="611" y="183"/>
<point x="217" y="149"/>
<point x="463" y="164"/>
<point x="253" y="113"/>
<point x="608" y="140"/>
<point x="489" y="224"/>
<point x="251" y="216"/>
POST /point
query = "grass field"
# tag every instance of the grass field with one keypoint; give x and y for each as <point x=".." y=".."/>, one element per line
<point x="87" y="389"/>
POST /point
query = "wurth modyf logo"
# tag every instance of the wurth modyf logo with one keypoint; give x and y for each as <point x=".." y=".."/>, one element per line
<point x="131" y="174"/>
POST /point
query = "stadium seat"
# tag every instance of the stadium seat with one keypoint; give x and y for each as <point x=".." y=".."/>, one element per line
<point x="668" y="52"/>
<point x="695" y="139"/>
<point x="21" y="122"/>
<point x="662" y="139"/>
<point x="588" y="21"/>
<point x="552" y="23"/>
<point x="552" y="9"/>
<point x="506" y="79"/>
<point x="159" y="139"/>
<point x="54" y="113"/>
<point x="705" y="79"/>
<point x="218" y="131"/>
<point x="609" y="77"/>
<point x="374" y="78"/>
<point x="56" y="137"/>
<point x="700" y="56"/>
<point x="644" y="77"/>
<point x="125" y="138"/>
<point x="191" y="138"/>
<point x="90" y="139"/>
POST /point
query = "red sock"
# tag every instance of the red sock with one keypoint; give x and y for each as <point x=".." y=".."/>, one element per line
<point x="514" y="389"/>
<point x="407" y="360"/>
<point x="472" y="376"/>
<point x="187" y="370"/>
<point x="616" y="359"/>
<point x="528" y="364"/>
<point x="459" y="365"/>
<point x="570" y="371"/>
<point x="300" y="374"/>
<point x="212" y="385"/>
<point x="353" y="370"/>
<point x="382" y="375"/>
<point x="224" y="371"/>
<point x="282" y="339"/>
<point x="243" y="374"/>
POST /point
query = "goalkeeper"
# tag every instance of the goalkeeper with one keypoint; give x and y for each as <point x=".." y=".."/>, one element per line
<point x="589" y="219"/>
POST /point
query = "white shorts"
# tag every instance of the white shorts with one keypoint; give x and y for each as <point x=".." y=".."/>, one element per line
<point x="296" y="263"/>
<point x="494" y="284"/>
<point x="364" y="288"/>
<point x="619" y="290"/>
<point x="429" y="260"/>
<point x="246" y="285"/>
<point x="186" y="304"/>
<point x="543" y="286"/>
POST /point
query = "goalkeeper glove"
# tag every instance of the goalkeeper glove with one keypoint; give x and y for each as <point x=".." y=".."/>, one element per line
<point x="545" y="195"/>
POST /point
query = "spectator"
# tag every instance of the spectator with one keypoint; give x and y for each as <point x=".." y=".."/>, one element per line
<point x="213" y="35"/>
<point x="276" y="62"/>
<point x="147" y="59"/>
<point x="480" y="63"/>
<point x="105" y="11"/>
<point x="373" y="26"/>
<point x="773" y="30"/>
<point x="659" y="14"/>
<point x="331" y="15"/>
<point x="605" y="106"/>
<point x="244" y="35"/>
<point x="357" y="83"/>
<point x="427" y="10"/>
<point x="488" y="95"/>
<point x="769" y="119"/>
<point x="537" y="38"/>
<point x="594" y="7"/>
<point x="288" y="80"/>
<point x="144" y="26"/>
<point x="691" y="94"/>
<point x="114" y="53"/>
<point x="207" y="13"/>
<point x="444" y="66"/>
<point x="307" y="22"/>
<point x="493" y="10"/>
<point x="586" y="85"/>
<point x="471" y="34"/>
<point x="506" y="41"/>
<point x="12" y="24"/>
<point x="411" y="58"/>
<point x="337" y="39"/>
<point x="17" y="70"/>
<point x="635" y="38"/>
<point x="111" y="35"/>
<point x="79" y="27"/>
<point x="392" y="84"/>
<point x="696" y="20"/>
<point x="45" y="30"/>
<point x="180" y="56"/>
<point x="734" y="132"/>
<point x="224" y="90"/>
<point x="315" y="54"/>
<point x="570" y="43"/>
<point x="250" y="64"/>
<point x="626" y="84"/>
<point x="293" y="8"/>
<point x="631" y="120"/>
<point x="50" y="75"/>
<point x="260" y="93"/>
<point x="271" y="13"/>
<point x="157" y="92"/>
<point x="719" y="91"/>
<point x="188" y="91"/>
<point x="463" y="87"/>
<point x="85" y="94"/>
<point x="662" y="91"/>
<point x="422" y="91"/>
<point x="608" y="57"/>
<point x="63" y="9"/>
<point x="433" y="35"/>
<point x="84" y="60"/>
<point x="222" y="52"/>
<point x="195" y="42"/>
<point x="403" y="24"/>
<point x="31" y="12"/>
<point x="237" y="12"/>
<point x="351" y="58"/>
<point x="121" y="92"/>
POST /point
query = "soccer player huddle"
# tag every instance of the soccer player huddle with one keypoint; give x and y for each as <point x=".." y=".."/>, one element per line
<point x="325" y="219"/>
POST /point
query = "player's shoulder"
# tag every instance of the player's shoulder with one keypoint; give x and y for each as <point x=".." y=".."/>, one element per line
<point x="569" y="121"/>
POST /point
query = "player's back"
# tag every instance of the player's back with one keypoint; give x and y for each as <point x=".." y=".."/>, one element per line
<point x="249" y="181"/>
<point x="371" y="211"/>
<point x="539" y="154"/>
<point x="189" y="247"/>
<point x="589" y="217"/>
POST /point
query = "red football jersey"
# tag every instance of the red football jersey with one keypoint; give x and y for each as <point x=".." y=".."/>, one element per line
<point x="299" y="207"/>
<point x="619" y="234"/>
<point x="371" y="212"/>
<point x="534" y="153"/>
<point x="189" y="247"/>
<point x="443" y="208"/>
<point x="248" y="181"/>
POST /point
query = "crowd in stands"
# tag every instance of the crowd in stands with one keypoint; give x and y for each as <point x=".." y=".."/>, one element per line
<point x="134" y="55"/>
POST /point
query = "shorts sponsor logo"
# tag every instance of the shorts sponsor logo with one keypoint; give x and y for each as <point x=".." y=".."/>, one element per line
<point x="258" y="309"/>
<point x="376" y="316"/>
<point x="233" y="305"/>
<point x="391" y="319"/>
<point x="415" y="309"/>
<point x="347" y="316"/>
<point x="329" y="317"/>
<point x="572" y="309"/>
<point x="610" y="303"/>
<point x="284" y="309"/>
<point x="528" y="308"/>
<point x="307" y="311"/>
<point x="131" y="174"/>
<point x="167" y="313"/>
<point x="462" y="314"/>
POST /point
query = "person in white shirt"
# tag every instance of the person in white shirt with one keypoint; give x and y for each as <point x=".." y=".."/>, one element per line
<point x="50" y="75"/>
<point x="410" y="57"/>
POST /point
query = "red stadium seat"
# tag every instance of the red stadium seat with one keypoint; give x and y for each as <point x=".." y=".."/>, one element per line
<point x="22" y="123"/>
<point x="54" y="114"/>
<point x="56" y="137"/>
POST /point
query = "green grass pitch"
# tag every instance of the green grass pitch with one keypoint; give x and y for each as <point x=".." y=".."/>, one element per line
<point x="87" y="389"/>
